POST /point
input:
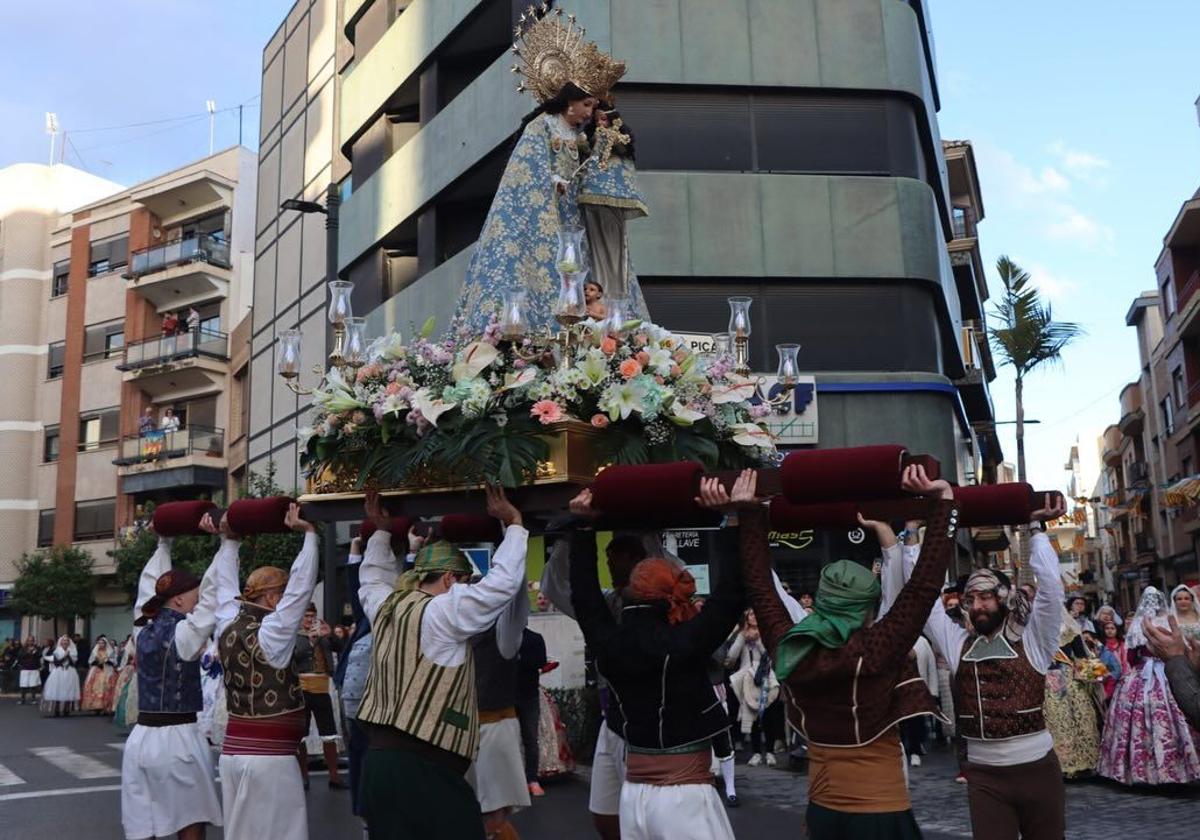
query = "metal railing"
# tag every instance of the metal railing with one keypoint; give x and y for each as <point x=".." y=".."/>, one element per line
<point x="202" y="248"/>
<point x="1139" y="471"/>
<point x="1189" y="289"/>
<point x="164" y="444"/>
<point x="162" y="349"/>
<point x="962" y="222"/>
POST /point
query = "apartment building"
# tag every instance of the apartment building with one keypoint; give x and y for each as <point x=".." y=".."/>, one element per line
<point x="111" y="369"/>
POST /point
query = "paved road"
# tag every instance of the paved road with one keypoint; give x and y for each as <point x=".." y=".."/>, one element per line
<point x="61" y="778"/>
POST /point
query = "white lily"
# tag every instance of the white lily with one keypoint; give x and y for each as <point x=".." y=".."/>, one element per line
<point x="431" y="407"/>
<point x="473" y="360"/>
<point x="734" y="390"/>
<point x="593" y="367"/>
<point x="620" y="400"/>
<point x="386" y="348"/>
<point x="661" y="361"/>
<point x="337" y="395"/>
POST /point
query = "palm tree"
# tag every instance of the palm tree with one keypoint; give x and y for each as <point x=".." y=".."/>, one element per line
<point x="1026" y="338"/>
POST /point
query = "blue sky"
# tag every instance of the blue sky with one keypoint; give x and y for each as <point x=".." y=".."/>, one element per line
<point x="119" y="62"/>
<point x="1084" y="123"/>
<point x="1082" y="116"/>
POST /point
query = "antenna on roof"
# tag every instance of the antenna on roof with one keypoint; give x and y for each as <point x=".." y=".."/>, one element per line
<point x="211" y="104"/>
<point x="52" y="130"/>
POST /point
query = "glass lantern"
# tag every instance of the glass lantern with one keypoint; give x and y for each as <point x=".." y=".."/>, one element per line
<point x="355" y="349"/>
<point x="618" y="316"/>
<point x="288" y="364"/>
<point x="739" y="317"/>
<point x="570" y="250"/>
<point x="722" y="345"/>
<point x="340" y="309"/>
<point x="571" y="306"/>
<point x="788" y="368"/>
<point x="514" y="324"/>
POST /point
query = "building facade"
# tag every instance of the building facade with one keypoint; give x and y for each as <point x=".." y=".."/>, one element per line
<point x="111" y="370"/>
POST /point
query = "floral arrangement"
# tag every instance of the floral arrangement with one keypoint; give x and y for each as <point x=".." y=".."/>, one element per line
<point x="466" y="409"/>
<point x="1090" y="670"/>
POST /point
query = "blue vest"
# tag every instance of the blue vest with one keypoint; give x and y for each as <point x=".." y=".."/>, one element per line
<point x="166" y="682"/>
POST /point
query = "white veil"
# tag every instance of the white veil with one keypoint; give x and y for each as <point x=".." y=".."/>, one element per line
<point x="1183" y="588"/>
<point x="1152" y="606"/>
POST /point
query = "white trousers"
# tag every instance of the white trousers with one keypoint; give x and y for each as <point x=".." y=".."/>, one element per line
<point x="673" y="812"/>
<point x="608" y="772"/>
<point x="498" y="772"/>
<point x="166" y="781"/>
<point x="263" y="798"/>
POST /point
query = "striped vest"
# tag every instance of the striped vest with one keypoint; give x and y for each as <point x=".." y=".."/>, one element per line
<point x="407" y="691"/>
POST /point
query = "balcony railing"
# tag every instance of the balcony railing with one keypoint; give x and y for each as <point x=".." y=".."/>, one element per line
<point x="962" y="222"/>
<point x="1193" y="395"/>
<point x="1139" y="472"/>
<point x="1189" y="289"/>
<point x="169" y="348"/>
<point x="203" y="248"/>
<point x="163" y="445"/>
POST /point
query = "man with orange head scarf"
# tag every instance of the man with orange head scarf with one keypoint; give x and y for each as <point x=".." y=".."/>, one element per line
<point x="655" y="659"/>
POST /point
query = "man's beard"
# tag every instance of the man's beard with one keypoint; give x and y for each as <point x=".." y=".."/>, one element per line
<point x="987" y="623"/>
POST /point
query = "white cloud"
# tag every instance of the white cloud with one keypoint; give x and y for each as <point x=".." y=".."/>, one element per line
<point x="1084" y="165"/>
<point x="1051" y="180"/>
<point x="1052" y="286"/>
<point x="1075" y="226"/>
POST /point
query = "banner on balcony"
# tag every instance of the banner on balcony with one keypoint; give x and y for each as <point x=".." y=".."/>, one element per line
<point x="153" y="444"/>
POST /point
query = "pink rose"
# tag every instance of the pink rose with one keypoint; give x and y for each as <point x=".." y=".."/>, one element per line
<point x="608" y="346"/>
<point x="547" y="411"/>
<point x="630" y="368"/>
<point x="643" y="358"/>
<point x="392" y="389"/>
<point x="599" y="420"/>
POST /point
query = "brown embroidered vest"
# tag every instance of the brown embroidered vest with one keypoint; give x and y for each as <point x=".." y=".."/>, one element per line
<point x="1001" y="693"/>
<point x="253" y="687"/>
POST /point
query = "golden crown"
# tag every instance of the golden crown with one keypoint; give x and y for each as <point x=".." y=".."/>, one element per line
<point x="552" y="52"/>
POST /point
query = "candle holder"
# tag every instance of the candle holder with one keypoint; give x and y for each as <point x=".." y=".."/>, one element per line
<point x="514" y="323"/>
<point x="739" y="330"/>
<point x="570" y="308"/>
<point x="355" y="349"/>
<point x="619" y="320"/>
<point x="781" y="394"/>
<point x="569" y="258"/>
<point x="349" y="340"/>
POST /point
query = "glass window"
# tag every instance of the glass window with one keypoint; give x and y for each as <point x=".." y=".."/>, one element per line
<point x="1178" y="388"/>
<point x="55" y="359"/>
<point x="1168" y="297"/>
<point x="94" y="519"/>
<point x="50" y="444"/>
<point x="1167" y="417"/>
<point x="62" y="273"/>
<point x="99" y="428"/>
<point x="103" y="341"/>
<point x="108" y="255"/>
<point x="45" y="528"/>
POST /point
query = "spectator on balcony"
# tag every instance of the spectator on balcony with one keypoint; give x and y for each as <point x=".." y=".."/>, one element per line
<point x="170" y="324"/>
<point x="147" y="421"/>
<point x="193" y="324"/>
<point x="169" y="422"/>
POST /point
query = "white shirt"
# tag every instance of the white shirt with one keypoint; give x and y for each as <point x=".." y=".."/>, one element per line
<point x="278" y="629"/>
<point x="1040" y="640"/>
<point x="220" y="581"/>
<point x="465" y="610"/>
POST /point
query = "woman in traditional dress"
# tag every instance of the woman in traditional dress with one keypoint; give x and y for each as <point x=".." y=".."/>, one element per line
<point x="554" y="752"/>
<point x="1071" y="707"/>
<point x="539" y="190"/>
<point x="1114" y="656"/>
<point x="1146" y="738"/>
<point x="60" y="695"/>
<point x="125" y="679"/>
<point x="610" y="195"/>
<point x="1186" y="612"/>
<point x="100" y="685"/>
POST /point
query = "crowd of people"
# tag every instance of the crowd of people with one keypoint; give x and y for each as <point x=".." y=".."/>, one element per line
<point x="53" y="673"/>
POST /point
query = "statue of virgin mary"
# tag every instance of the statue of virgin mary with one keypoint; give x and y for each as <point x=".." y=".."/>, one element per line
<point x="539" y="194"/>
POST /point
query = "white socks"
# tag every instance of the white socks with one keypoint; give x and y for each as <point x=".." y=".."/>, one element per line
<point x="727" y="776"/>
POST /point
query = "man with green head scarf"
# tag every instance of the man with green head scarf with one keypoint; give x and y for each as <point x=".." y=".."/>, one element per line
<point x="850" y="679"/>
<point x="420" y="707"/>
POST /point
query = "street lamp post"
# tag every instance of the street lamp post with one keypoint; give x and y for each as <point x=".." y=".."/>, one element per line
<point x="331" y="209"/>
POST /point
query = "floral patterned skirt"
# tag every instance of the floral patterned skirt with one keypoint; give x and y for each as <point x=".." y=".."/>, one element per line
<point x="99" y="688"/>
<point x="1146" y="738"/>
<point x="1073" y="721"/>
<point x="554" y="753"/>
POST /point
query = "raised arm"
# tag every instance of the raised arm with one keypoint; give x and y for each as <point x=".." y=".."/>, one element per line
<point x="1042" y="629"/>
<point x="158" y="565"/>
<point x="699" y="637"/>
<point x="277" y="633"/>
<point x="217" y="605"/>
<point x="469" y="609"/>
<point x="894" y="635"/>
<point x="510" y="626"/>
<point x="587" y="601"/>
<point x="556" y="577"/>
<point x="377" y="573"/>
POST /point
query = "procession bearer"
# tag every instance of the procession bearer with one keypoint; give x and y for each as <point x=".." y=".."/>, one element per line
<point x="166" y="772"/>
<point x="420" y="707"/>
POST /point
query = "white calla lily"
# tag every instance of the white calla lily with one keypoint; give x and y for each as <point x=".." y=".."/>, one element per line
<point x="681" y="415"/>
<point x="512" y="381"/>
<point x="473" y="360"/>
<point x="431" y="407"/>
<point x="734" y="390"/>
<point x="752" y="434"/>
